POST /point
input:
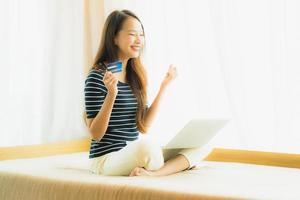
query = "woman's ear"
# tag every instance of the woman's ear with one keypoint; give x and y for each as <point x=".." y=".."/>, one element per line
<point x="116" y="41"/>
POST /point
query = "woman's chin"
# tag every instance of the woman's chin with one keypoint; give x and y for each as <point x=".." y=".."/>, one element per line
<point x="134" y="55"/>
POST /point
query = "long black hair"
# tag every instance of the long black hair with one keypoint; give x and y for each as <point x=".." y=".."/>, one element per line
<point x="135" y="72"/>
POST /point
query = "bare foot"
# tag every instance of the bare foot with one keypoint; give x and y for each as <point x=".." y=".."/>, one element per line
<point x="140" y="171"/>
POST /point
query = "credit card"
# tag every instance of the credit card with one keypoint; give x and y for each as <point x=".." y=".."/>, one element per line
<point x="114" y="67"/>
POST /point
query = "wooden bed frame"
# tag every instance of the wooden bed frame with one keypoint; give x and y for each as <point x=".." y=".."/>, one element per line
<point x="217" y="154"/>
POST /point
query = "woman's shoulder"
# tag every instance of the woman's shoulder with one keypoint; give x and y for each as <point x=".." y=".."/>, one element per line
<point x="94" y="76"/>
<point x="95" y="73"/>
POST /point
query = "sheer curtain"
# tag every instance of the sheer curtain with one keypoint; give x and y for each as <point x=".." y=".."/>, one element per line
<point x="42" y="71"/>
<point x="236" y="59"/>
<point x="258" y="43"/>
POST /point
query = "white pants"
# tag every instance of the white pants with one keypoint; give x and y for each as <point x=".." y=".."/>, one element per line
<point x="142" y="153"/>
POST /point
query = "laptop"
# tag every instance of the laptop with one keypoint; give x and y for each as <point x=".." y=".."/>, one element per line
<point x="196" y="133"/>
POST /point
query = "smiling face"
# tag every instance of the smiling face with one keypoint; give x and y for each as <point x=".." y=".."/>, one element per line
<point x="130" y="39"/>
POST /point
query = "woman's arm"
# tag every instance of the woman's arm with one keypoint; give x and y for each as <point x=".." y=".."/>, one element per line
<point x="98" y="125"/>
<point x="151" y="112"/>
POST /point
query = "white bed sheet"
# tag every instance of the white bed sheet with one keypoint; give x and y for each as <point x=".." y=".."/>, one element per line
<point x="218" y="179"/>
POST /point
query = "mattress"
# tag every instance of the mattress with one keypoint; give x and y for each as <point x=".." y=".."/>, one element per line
<point x="68" y="177"/>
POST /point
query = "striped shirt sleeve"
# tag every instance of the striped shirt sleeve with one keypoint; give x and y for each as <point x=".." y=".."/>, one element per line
<point x="95" y="92"/>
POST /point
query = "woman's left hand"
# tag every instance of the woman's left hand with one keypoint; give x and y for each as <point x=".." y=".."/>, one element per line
<point x="170" y="76"/>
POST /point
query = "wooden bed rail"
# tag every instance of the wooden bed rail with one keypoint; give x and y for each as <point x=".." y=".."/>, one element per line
<point x="217" y="154"/>
<point x="255" y="157"/>
<point x="40" y="150"/>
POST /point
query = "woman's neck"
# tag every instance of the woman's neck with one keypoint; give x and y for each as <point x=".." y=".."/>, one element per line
<point x="122" y="75"/>
<point x="124" y="64"/>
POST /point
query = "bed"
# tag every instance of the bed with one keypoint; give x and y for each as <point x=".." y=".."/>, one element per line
<point x="65" y="175"/>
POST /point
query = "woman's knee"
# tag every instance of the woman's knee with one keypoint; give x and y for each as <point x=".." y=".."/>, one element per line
<point x="150" y="155"/>
<point x="148" y="148"/>
<point x="195" y="155"/>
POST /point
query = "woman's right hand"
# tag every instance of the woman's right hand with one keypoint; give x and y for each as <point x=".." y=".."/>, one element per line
<point x="110" y="81"/>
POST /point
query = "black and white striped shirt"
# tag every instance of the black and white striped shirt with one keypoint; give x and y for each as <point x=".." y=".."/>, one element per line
<point x="122" y="123"/>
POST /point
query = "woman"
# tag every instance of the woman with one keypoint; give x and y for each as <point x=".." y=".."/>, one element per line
<point x="117" y="110"/>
